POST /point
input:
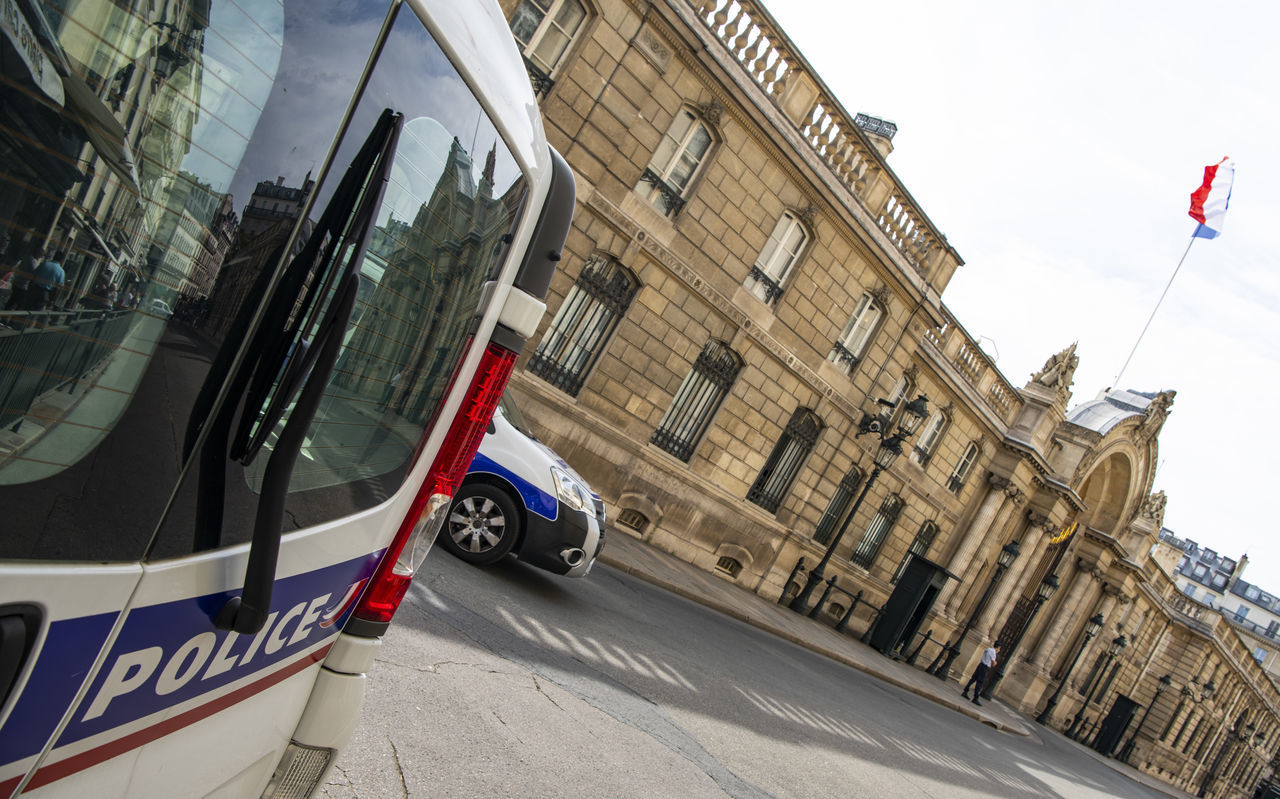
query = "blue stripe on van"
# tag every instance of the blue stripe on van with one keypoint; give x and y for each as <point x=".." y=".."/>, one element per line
<point x="535" y="499"/>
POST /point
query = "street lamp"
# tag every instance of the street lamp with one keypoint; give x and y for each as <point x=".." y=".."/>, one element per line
<point x="1113" y="651"/>
<point x="1044" y="592"/>
<point x="940" y="668"/>
<point x="1091" y="628"/>
<point x="1162" y="685"/>
<point x="889" y="450"/>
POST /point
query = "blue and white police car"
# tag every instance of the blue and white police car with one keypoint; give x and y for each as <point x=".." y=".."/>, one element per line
<point x="520" y="496"/>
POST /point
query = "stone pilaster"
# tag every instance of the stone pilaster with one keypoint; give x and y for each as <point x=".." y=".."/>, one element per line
<point x="1003" y="496"/>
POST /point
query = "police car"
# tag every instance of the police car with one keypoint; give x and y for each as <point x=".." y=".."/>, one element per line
<point x="520" y="496"/>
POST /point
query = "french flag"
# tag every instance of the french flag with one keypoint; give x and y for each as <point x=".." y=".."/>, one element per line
<point x="1209" y="202"/>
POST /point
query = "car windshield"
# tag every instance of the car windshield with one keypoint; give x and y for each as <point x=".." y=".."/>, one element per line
<point x="512" y="413"/>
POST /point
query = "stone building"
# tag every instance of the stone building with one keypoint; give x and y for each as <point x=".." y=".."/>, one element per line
<point x="749" y="302"/>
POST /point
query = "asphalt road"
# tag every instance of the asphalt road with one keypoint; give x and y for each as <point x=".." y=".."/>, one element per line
<point x="513" y="682"/>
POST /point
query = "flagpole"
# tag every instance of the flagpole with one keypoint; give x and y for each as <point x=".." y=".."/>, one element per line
<point x="1116" y="383"/>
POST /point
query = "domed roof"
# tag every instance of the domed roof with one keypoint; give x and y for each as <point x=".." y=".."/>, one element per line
<point x="1109" y="409"/>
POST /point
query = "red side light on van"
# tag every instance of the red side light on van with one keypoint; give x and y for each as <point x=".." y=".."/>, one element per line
<point x="418" y="531"/>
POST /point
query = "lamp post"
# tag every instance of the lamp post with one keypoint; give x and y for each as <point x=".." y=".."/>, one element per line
<point x="889" y="450"/>
<point x="1113" y="650"/>
<point x="940" y="667"/>
<point x="1044" y="592"/>
<point x="1091" y="628"/>
<point x="1162" y="685"/>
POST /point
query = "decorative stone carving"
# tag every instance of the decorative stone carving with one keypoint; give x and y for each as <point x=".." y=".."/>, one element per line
<point x="1157" y="412"/>
<point x="711" y="112"/>
<point x="809" y="216"/>
<point x="1037" y="519"/>
<point x="1153" y="509"/>
<point x="1059" y="371"/>
<point x="912" y="373"/>
<point x="999" y="483"/>
<point x="882" y="295"/>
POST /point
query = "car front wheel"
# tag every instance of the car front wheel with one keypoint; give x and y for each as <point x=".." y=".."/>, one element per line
<point x="482" y="526"/>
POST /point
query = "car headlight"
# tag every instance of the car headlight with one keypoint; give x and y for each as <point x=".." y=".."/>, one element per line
<point x="568" y="490"/>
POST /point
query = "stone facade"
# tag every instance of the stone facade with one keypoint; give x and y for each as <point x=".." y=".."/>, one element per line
<point x="703" y="147"/>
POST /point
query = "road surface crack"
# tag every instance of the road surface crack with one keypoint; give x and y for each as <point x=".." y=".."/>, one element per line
<point x="395" y="753"/>
<point x="538" y="685"/>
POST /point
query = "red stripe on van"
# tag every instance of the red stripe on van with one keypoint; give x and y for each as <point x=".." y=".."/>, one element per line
<point x="84" y="760"/>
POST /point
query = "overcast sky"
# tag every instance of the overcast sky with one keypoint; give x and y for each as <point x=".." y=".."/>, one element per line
<point x="1056" y="146"/>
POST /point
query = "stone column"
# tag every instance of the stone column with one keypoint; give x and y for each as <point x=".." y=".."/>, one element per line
<point x="1000" y="497"/>
<point x="1070" y="615"/>
<point x="1035" y="539"/>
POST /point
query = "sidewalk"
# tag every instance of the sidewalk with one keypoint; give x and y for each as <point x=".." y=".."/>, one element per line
<point x="629" y="554"/>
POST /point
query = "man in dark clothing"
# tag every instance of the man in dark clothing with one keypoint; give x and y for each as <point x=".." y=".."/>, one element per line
<point x="979" y="678"/>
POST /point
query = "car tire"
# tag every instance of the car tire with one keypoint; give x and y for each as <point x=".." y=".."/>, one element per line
<point x="482" y="526"/>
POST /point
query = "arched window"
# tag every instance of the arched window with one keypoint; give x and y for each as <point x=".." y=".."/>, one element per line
<point x="784" y="462"/>
<point x="583" y="324"/>
<point x="919" y="546"/>
<point x="865" y="553"/>
<point x="680" y="154"/>
<point x="839" y="506"/>
<point x="961" y="473"/>
<point x="697" y="399"/>
<point x="780" y="253"/>
<point x="545" y="29"/>
<point x="852" y="344"/>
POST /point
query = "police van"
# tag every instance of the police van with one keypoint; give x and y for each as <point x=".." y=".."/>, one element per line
<point x="303" y="243"/>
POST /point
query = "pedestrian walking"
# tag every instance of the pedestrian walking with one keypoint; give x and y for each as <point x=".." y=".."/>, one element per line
<point x="979" y="678"/>
<point x="47" y="278"/>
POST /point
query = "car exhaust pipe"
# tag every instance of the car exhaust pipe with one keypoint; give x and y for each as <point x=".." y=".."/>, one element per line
<point x="572" y="556"/>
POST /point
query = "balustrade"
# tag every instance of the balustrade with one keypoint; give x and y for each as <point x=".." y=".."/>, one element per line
<point x="751" y="36"/>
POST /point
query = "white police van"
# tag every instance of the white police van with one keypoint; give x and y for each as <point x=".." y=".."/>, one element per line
<point x="210" y="517"/>
<point x="520" y="497"/>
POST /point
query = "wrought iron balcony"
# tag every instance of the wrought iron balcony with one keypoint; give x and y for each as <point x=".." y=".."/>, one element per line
<point x="668" y="197"/>
<point x="771" y="288"/>
<point x="843" y="355"/>
<point x="540" y="80"/>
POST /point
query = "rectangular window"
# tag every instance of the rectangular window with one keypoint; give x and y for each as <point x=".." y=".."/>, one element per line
<point x="666" y="180"/>
<point x="780" y="253"/>
<point x="961" y="472"/>
<point x="852" y="344"/>
<point x="929" y="438"/>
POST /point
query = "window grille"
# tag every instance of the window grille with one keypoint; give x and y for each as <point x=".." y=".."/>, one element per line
<point x="729" y="566"/>
<point x="681" y="152"/>
<point x="583" y="324"/>
<point x="838" y="506"/>
<point x="784" y="462"/>
<point x="961" y="472"/>
<point x="877" y="531"/>
<point x="633" y="519"/>
<point x="697" y="399"/>
<point x="919" y="546"/>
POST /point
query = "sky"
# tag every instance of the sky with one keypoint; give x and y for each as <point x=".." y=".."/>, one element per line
<point x="1056" y="145"/>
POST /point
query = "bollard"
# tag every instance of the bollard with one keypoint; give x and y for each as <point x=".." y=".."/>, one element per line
<point x="848" y="614"/>
<point x="911" y="660"/>
<point x="791" y="579"/>
<point x="871" y="628"/>
<point x="817" y="608"/>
